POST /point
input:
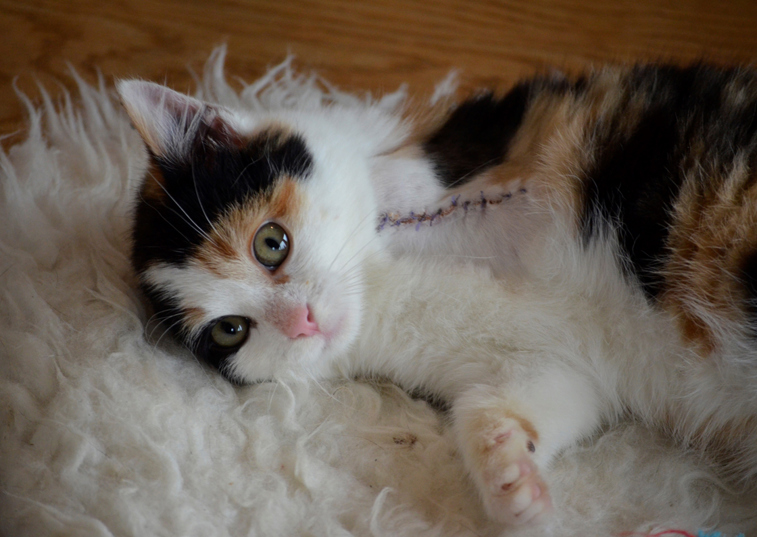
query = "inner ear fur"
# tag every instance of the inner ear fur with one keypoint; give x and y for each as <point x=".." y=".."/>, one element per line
<point x="173" y="124"/>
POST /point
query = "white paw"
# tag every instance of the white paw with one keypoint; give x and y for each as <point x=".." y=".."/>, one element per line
<point x="511" y="488"/>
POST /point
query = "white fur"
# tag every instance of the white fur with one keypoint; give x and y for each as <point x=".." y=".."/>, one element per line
<point x="103" y="433"/>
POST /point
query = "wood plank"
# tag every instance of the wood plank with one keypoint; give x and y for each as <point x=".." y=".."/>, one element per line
<point x="372" y="45"/>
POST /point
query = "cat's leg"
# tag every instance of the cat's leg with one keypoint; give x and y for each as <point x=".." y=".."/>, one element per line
<point x="509" y="434"/>
<point x="498" y="444"/>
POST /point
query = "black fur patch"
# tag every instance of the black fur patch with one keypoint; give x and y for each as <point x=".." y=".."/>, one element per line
<point x="477" y="134"/>
<point x="638" y="176"/>
<point x="204" y="186"/>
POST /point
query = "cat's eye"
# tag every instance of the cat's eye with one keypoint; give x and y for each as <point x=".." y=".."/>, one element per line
<point x="220" y="339"/>
<point x="271" y="245"/>
<point x="230" y="332"/>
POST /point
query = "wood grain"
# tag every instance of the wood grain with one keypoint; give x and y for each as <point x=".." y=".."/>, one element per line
<point x="359" y="45"/>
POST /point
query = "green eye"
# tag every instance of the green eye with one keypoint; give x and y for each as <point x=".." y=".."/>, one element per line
<point x="229" y="332"/>
<point x="270" y="245"/>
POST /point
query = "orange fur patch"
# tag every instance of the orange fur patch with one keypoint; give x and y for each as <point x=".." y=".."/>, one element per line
<point x="285" y="200"/>
<point x="228" y="251"/>
<point x="489" y="420"/>
<point x="280" y="277"/>
<point x="527" y="426"/>
<point x="153" y="187"/>
<point x="711" y="234"/>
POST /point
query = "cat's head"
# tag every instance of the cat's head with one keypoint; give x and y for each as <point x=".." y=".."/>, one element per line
<point x="251" y="229"/>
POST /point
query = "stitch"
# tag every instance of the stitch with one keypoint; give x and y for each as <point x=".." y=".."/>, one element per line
<point x="397" y="220"/>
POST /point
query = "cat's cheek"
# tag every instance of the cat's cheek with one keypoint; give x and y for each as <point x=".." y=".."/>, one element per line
<point x="340" y="340"/>
<point x="347" y="330"/>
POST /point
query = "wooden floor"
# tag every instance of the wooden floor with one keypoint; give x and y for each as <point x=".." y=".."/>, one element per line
<point x="372" y="45"/>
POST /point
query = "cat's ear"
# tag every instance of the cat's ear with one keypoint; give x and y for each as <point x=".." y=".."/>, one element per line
<point x="173" y="124"/>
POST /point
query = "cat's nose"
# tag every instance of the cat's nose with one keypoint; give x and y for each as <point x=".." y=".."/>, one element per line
<point x="301" y="323"/>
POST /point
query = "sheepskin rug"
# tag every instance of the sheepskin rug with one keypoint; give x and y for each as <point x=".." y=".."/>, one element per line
<point x="109" y="428"/>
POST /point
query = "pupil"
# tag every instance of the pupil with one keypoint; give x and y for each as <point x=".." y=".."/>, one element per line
<point x="229" y="328"/>
<point x="272" y="244"/>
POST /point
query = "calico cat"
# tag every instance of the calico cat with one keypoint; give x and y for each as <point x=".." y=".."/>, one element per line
<point x="255" y="240"/>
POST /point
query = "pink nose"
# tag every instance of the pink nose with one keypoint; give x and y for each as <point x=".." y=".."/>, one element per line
<point x="301" y="323"/>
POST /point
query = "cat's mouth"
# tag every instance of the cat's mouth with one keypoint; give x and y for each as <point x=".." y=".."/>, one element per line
<point x="328" y="337"/>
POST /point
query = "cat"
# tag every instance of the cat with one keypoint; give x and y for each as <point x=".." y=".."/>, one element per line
<point x="256" y="241"/>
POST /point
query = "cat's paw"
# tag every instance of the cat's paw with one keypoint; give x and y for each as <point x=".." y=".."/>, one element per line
<point x="511" y="488"/>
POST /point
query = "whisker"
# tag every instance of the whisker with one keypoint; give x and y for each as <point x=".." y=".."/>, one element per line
<point x="464" y="256"/>
<point x="270" y="399"/>
<point x="164" y="218"/>
<point x="347" y="240"/>
<point x="358" y="252"/>
<point x="199" y="201"/>
<point x="166" y="331"/>
<point x="323" y="389"/>
<point x="473" y="171"/>
<point x="160" y="321"/>
<point x="346" y="269"/>
<point x="188" y="218"/>
<point x="238" y="177"/>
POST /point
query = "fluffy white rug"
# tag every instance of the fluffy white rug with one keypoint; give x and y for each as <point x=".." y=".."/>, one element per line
<point x="107" y="429"/>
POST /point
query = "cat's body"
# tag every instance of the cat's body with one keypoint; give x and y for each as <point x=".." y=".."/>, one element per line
<point x="644" y="173"/>
<point x="255" y="239"/>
